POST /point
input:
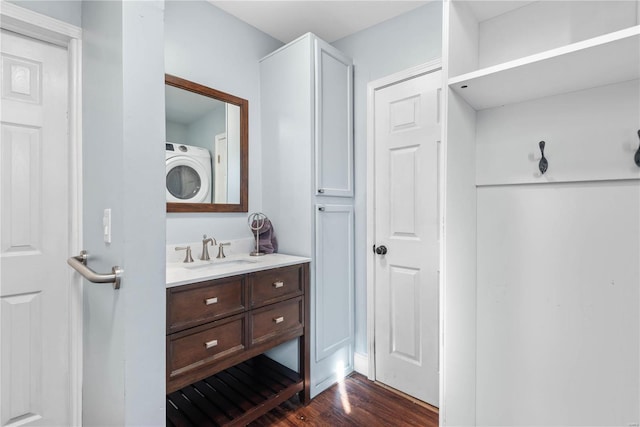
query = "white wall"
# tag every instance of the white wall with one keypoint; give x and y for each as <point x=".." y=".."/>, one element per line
<point x="209" y="46"/>
<point x="392" y="46"/>
<point x="557" y="319"/>
<point x="123" y="135"/>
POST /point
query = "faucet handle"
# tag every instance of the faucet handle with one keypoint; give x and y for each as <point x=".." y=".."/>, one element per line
<point x="187" y="256"/>
<point x="221" y="249"/>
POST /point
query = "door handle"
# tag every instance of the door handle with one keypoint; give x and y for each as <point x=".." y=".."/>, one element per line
<point x="380" y="250"/>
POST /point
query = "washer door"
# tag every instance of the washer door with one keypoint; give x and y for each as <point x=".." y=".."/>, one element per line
<point x="187" y="181"/>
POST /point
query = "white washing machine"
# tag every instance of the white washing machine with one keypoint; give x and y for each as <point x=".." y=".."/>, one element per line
<point x="188" y="174"/>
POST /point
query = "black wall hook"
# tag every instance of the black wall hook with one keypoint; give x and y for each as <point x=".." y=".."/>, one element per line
<point x="636" y="158"/>
<point x="543" y="165"/>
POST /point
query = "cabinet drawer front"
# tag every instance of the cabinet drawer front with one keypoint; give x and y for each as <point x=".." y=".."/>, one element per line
<point x="279" y="319"/>
<point x="201" y="303"/>
<point x="189" y="350"/>
<point x="275" y="285"/>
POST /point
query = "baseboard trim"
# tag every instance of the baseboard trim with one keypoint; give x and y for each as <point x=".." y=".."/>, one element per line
<point x="361" y="363"/>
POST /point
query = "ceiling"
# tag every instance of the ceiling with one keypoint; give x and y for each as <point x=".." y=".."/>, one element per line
<point x="330" y="20"/>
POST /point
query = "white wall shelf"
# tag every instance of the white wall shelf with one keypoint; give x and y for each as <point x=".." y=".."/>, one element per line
<point x="603" y="60"/>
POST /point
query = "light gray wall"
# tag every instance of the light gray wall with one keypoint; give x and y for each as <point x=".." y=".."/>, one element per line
<point x="210" y="47"/>
<point x="397" y="44"/>
<point x="176" y="132"/>
<point x="67" y="11"/>
<point x="103" y="168"/>
<point x="203" y="131"/>
<point x="123" y="132"/>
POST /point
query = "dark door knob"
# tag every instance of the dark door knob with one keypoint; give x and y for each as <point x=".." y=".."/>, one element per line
<point x="381" y="250"/>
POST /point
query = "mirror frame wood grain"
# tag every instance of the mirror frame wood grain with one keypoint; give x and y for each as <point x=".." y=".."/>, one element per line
<point x="243" y="206"/>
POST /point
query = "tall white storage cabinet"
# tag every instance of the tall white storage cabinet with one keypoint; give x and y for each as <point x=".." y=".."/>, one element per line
<point x="307" y="151"/>
<point x="542" y="270"/>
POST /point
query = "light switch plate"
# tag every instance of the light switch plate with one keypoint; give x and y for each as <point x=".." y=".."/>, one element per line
<point x="106" y="225"/>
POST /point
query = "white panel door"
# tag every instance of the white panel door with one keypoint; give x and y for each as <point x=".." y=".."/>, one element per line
<point x="220" y="162"/>
<point x="407" y="134"/>
<point x="34" y="234"/>
<point x="334" y="121"/>
<point x="233" y="154"/>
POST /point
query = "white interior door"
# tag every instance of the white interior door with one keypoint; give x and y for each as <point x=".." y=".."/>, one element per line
<point x="34" y="234"/>
<point x="407" y="135"/>
<point x="220" y="162"/>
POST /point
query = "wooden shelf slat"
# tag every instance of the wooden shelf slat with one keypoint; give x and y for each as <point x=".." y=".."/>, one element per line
<point x="204" y="405"/>
<point x="221" y="400"/>
<point x="257" y="384"/>
<point x="277" y="367"/>
<point x="175" y="417"/>
<point x="270" y="377"/>
<point x="191" y="412"/>
<point x="235" y="396"/>
<point x="220" y="388"/>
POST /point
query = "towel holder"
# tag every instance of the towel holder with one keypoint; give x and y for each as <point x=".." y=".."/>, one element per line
<point x="79" y="263"/>
<point x="256" y="221"/>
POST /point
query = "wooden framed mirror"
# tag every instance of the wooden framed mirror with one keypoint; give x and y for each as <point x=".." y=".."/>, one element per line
<point x="207" y="148"/>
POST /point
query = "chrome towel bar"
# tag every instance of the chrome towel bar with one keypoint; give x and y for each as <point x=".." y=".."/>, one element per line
<point x="79" y="263"/>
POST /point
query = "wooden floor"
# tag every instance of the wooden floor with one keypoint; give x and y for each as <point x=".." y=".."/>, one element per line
<point x="355" y="402"/>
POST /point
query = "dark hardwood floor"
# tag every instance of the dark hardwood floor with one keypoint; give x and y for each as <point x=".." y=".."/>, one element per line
<point x="355" y="402"/>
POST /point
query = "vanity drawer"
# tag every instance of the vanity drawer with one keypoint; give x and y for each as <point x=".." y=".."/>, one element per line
<point x="270" y="286"/>
<point x="193" y="305"/>
<point x="197" y="347"/>
<point x="285" y="318"/>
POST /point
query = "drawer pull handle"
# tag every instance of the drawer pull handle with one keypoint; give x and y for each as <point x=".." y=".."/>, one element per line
<point x="211" y="344"/>
<point x="278" y="284"/>
<point x="278" y="319"/>
<point x="210" y="301"/>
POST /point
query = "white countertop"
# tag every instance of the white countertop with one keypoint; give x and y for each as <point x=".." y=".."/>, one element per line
<point x="179" y="273"/>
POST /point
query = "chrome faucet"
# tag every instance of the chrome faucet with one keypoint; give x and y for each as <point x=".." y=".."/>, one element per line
<point x="205" y="248"/>
<point x="187" y="256"/>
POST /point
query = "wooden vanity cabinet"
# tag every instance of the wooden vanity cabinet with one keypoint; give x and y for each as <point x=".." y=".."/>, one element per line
<point x="217" y="331"/>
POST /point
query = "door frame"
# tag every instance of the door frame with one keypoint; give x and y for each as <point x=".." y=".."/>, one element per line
<point x="44" y="28"/>
<point x="372" y="87"/>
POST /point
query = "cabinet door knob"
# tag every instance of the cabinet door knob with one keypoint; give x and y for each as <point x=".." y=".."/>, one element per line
<point x="278" y="319"/>
<point x="320" y="190"/>
<point x="210" y="301"/>
<point x="210" y="344"/>
<point x="381" y="250"/>
<point x="278" y="284"/>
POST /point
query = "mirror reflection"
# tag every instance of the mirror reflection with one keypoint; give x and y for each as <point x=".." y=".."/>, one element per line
<point x="203" y="148"/>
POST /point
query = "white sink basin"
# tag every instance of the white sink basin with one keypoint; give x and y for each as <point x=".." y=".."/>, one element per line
<point x="217" y="264"/>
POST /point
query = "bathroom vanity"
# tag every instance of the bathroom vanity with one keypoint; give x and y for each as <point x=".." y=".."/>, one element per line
<point x="221" y="317"/>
